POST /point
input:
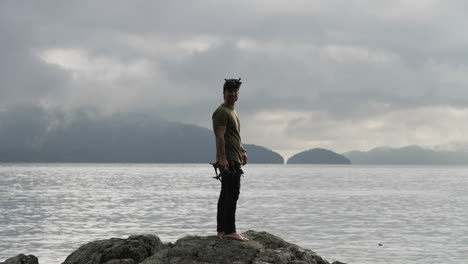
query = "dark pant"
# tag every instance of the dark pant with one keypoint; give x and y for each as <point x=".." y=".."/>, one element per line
<point x="227" y="202"/>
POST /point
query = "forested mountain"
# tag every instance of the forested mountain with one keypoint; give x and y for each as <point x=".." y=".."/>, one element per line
<point x="318" y="156"/>
<point x="34" y="135"/>
<point x="258" y="154"/>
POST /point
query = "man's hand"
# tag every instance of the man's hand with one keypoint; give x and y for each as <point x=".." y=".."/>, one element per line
<point x="244" y="158"/>
<point x="223" y="163"/>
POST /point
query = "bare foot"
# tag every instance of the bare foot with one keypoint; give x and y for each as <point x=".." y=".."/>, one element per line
<point x="236" y="236"/>
<point x="221" y="234"/>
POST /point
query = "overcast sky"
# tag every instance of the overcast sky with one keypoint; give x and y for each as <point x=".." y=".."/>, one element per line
<point x="343" y="75"/>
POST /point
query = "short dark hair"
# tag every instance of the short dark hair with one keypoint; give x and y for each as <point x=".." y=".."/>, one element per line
<point x="230" y="84"/>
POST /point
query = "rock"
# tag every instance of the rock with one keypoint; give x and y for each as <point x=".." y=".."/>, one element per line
<point x="22" y="259"/>
<point x="276" y="250"/>
<point x="116" y="251"/>
<point x="263" y="248"/>
<point x="211" y="249"/>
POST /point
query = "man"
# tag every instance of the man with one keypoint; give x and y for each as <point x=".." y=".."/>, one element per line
<point x="230" y="154"/>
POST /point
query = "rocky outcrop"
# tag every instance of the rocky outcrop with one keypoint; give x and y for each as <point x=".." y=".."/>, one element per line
<point x="263" y="248"/>
<point x="21" y="259"/>
<point x="132" y="250"/>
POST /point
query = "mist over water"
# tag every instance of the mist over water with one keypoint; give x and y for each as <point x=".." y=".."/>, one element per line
<point x="416" y="213"/>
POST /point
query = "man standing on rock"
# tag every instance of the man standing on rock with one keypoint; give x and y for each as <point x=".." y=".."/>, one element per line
<point x="230" y="154"/>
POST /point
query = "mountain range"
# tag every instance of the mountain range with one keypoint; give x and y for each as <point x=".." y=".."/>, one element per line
<point x="32" y="134"/>
<point x="408" y="155"/>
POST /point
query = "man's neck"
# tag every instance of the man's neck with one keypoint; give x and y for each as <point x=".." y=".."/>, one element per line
<point x="229" y="105"/>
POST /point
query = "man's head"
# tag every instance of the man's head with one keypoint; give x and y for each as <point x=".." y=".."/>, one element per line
<point x="230" y="84"/>
<point x="231" y="90"/>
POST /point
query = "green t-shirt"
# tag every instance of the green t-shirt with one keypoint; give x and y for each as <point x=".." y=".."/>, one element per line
<point x="225" y="116"/>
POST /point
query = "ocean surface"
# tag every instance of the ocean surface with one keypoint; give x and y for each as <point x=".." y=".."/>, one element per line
<point x="354" y="214"/>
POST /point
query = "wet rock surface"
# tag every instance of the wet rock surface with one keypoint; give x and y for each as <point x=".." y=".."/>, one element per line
<point x="21" y="259"/>
<point x="263" y="248"/>
<point x="132" y="250"/>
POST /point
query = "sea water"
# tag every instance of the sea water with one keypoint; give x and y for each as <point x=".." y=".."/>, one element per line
<point x="350" y="213"/>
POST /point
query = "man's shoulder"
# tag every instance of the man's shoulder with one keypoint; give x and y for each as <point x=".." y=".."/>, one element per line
<point x="220" y="111"/>
<point x="222" y="108"/>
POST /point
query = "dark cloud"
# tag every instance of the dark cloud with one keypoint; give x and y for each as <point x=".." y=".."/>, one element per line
<point x="348" y="60"/>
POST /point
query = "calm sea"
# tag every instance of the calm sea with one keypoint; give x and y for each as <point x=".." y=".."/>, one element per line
<point x="355" y="214"/>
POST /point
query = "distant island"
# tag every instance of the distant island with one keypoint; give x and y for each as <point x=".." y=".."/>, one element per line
<point x="410" y="155"/>
<point x="31" y="134"/>
<point x="318" y="156"/>
<point x="259" y="154"/>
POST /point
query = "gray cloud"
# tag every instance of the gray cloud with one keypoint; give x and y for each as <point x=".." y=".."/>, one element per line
<point x="338" y="65"/>
<point x="25" y="78"/>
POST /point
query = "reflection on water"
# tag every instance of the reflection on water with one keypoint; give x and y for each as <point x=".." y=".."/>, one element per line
<point x="341" y="212"/>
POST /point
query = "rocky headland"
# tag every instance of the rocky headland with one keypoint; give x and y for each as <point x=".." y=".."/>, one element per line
<point x="263" y="248"/>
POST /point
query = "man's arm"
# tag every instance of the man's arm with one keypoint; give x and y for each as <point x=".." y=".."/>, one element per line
<point x="221" y="146"/>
